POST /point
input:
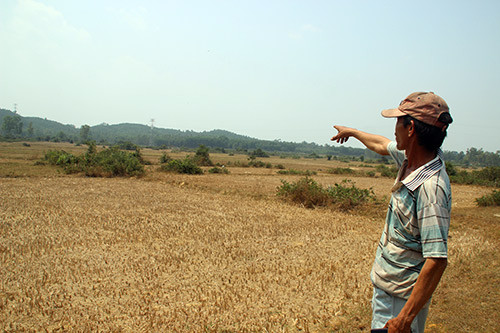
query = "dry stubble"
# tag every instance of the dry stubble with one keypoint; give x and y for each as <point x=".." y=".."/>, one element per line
<point x="129" y="254"/>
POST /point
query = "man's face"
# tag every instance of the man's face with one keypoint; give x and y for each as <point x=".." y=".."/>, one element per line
<point x="401" y="133"/>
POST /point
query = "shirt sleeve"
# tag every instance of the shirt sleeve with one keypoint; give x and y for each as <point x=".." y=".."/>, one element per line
<point x="433" y="213"/>
<point x="397" y="155"/>
<point x="434" y="222"/>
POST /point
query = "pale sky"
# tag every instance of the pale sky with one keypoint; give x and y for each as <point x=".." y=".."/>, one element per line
<point x="268" y="69"/>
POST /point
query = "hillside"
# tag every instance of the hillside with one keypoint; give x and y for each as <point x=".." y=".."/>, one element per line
<point x="143" y="135"/>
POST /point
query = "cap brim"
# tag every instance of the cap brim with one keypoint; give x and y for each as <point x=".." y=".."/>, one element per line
<point x="392" y="113"/>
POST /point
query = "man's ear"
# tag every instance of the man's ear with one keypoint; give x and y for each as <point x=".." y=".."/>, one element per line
<point x="411" y="129"/>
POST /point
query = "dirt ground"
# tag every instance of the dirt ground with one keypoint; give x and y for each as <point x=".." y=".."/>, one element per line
<point x="213" y="252"/>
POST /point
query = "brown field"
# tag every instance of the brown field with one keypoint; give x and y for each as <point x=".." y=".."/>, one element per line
<point x="213" y="253"/>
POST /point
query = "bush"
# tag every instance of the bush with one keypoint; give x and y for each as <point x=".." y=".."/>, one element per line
<point x="165" y="158"/>
<point x="108" y="163"/>
<point x="492" y="199"/>
<point x="348" y="196"/>
<point x="385" y="171"/>
<point x="69" y="162"/>
<point x="258" y="164"/>
<point x="309" y="193"/>
<point x="186" y="166"/>
<point x="313" y="155"/>
<point x="450" y="169"/>
<point x="259" y="153"/>
<point x="305" y="191"/>
<point x="126" y="145"/>
<point x="296" y="172"/>
<point x="114" y="162"/>
<point x="341" y="171"/>
<point x="218" y="170"/>
<point x="489" y="176"/>
<point x="202" y="156"/>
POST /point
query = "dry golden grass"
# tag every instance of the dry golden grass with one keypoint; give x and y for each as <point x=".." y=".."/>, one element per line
<point x="211" y="253"/>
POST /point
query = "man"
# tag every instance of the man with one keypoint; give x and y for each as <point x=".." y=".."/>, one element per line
<point x="412" y="253"/>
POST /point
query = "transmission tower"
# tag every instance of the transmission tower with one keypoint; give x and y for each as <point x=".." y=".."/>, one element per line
<point x="151" y="134"/>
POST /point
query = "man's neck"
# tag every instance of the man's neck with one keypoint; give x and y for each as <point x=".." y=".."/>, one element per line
<point x="417" y="156"/>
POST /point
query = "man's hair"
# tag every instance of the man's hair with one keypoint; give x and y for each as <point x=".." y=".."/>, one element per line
<point x="428" y="136"/>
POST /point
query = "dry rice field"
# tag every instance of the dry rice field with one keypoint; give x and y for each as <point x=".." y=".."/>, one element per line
<point x="212" y="253"/>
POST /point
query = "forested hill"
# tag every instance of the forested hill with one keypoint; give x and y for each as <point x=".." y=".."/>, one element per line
<point x="15" y="126"/>
<point x="42" y="129"/>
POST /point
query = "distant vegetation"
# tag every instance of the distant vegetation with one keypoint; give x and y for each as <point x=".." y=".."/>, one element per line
<point x="15" y="127"/>
<point x="489" y="176"/>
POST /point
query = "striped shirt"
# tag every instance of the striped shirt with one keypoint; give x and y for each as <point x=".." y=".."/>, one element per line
<point x="416" y="225"/>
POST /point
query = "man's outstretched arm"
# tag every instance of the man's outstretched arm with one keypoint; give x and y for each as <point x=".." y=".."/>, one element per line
<point x="374" y="142"/>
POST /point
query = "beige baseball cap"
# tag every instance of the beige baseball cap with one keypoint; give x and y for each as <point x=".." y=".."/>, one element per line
<point x="424" y="106"/>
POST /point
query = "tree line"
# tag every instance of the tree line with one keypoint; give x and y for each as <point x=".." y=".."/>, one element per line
<point x="15" y="127"/>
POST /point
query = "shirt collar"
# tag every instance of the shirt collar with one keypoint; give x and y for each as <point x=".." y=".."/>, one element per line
<point x="419" y="176"/>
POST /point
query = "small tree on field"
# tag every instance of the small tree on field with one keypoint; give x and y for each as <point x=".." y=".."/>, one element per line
<point x="202" y="156"/>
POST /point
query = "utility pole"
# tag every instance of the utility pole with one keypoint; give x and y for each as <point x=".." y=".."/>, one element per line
<point x="15" y="108"/>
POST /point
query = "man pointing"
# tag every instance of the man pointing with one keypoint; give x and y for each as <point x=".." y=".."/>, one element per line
<point x="412" y="253"/>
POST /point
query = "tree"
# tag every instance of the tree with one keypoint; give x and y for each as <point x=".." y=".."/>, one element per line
<point x="259" y="153"/>
<point x="85" y="133"/>
<point x="202" y="157"/>
<point x="30" y="129"/>
<point x="12" y="125"/>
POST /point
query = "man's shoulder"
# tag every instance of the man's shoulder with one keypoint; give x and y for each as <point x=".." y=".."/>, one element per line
<point x="436" y="189"/>
<point x="397" y="155"/>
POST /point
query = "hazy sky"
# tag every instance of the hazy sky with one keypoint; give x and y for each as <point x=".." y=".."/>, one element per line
<point x="268" y="69"/>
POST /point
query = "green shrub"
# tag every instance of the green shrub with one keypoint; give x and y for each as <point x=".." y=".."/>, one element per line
<point x="218" y="170"/>
<point x="489" y="176"/>
<point x="259" y="153"/>
<point x="385" y="171"/>
<point x="57" y="157"/>
<point x="114" y="162"/>
<point x="341" y="171"/>
<point x="126" y="145"/>
<point x="202" y="157"/>
<point x="348" y="196"/>
<point x="313" y="155"/>
<point x="165" y="158"/>
<point x="107" y="163"/>
<point x="492" y="199"/>
<point x="296" y="172"/>
<point x="309" y="193"/>
<point x="186" y="166"/>
<point x="450" y="169"/>
<point x="305" y="191"/>
<point x="69" y="162"/>
<point x="257" y="164"/>
<point x="241" y="164"/>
